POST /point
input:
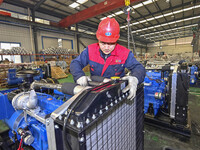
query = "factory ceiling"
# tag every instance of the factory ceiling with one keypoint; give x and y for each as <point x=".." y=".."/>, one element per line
<point x="151" y="20"/>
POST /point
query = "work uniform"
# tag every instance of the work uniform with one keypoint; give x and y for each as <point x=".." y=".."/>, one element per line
<point x="110" y="65"/>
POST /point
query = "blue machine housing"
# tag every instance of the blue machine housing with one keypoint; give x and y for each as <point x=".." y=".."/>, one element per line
<point x="14" y="80"/>
<point x="193" y="72"/>
<point x="154" y="92"/>
<point x="16" y="119"/>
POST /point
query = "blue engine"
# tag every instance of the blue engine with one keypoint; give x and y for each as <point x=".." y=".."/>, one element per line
<point x="154" y="92"/>
<point x="14" y="80"/>
<point x="23" y="124"/>
<point x="193" y="74"/>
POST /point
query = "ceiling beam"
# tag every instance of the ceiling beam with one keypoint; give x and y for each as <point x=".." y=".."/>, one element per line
<point x="93" y="11"/>
<point x="38" y="4"/>
<point x="163" y="10"/>
<point x="1" y="1"/>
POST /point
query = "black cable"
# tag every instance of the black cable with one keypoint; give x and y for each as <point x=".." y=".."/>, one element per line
<point x="157" y="80"/>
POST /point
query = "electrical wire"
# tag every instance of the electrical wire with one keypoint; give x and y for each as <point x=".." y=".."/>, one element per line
<point x="157" y="80"/>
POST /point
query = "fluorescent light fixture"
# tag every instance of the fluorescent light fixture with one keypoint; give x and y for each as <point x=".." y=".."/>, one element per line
<point x="137" y="6"/>
<point x="164" y="24"/>
<point x="197" y="6"/>
<point x="142" y="21"/>
<point x="189" y="8"/>
<point x="178" y="11"/>
<point x="149" y="28"/>
<point x="119" y="12"/>
<point x="179" y="21"/>
<point x="150" y="19"/>
<point x="163" y="31"/>
<point x="110" y="16"/>
<point x="73" y="28"/>
<point x="103" y="18"/>
<point x="168" y="14"/>
<point x="157" y="26"/>
<point x="148" y="2"/>
<point x="123" y="26"/>
<point x="81" y="1"/>
<point x="74" y="5"/>
<point x="134" y="23"/>
<point x="159" y="16"/>
<point x="81" y="30"/>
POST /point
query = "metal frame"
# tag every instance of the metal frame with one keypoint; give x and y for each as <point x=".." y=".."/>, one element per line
<point x="167" y="126"/>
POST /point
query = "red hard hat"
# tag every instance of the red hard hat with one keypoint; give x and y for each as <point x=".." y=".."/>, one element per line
<point x="108" y="30"/>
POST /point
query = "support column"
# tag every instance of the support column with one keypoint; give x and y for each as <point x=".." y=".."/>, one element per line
<point x="77" y="39"/>
<point x="35" y="29"/>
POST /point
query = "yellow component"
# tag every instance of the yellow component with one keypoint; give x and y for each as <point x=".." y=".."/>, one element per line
<point x="51" y="80"/>
<point x="115" y="78"/>
<point x="127" y="2"/>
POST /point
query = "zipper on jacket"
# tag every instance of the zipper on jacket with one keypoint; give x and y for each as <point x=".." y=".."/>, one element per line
<point x="106" y="56"/>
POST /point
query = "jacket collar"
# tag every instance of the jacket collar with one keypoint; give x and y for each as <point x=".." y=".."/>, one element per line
<point x="113" y="53"/>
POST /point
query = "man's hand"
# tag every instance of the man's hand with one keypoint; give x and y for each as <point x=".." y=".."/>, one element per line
<point x="83" y="81"/>
<point x="132" y="86"/>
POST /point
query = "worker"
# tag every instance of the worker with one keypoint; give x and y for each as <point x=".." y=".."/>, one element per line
<point x="107" y="59"/>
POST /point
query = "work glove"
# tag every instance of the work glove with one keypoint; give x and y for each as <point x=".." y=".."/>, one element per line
<point x="83" y="81"/>
<point x="106" y="80"/>
<point x="131" y="87"/>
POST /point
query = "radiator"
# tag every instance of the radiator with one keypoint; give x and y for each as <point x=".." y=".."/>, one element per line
<point x="118" y="125"/>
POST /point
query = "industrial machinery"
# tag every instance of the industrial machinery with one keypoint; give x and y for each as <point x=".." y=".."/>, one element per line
<point x="73" y="117"/>
<point x="194" y="75"/>
<point x="16" y="77"/>
<point x="166" y="98"/>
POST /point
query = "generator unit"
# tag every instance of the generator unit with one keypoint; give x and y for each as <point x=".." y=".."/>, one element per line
<point x="166" y="98"/>
<point x="73" y="117"/>
<point x="17" y="77"/>
<point x="154" y="92"/>
<point x="194" y="75"/>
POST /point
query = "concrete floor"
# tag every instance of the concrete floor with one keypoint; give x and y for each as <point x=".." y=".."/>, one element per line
<point x="158" y="139"/>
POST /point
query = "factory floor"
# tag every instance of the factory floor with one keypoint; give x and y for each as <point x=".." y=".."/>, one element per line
<point x="158" y="139"/>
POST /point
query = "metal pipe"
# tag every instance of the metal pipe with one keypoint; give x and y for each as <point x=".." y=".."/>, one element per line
<point x="66" y="88"/>
<point x="38" y="85"/>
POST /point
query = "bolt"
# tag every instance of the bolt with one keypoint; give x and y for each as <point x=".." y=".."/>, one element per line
<point x="79" y="125"/>
<point x="56" y="126"/>
<point x="100" y="112"/>
<point x="60" y="117"/>
<point x="81" y="139"/>
<point x="47" y="122"/>
<point x="93" y="116"/>
<point x="66" y="112"/>
<point x="106" y="108"/>
<point x="72" y="122"/>
<point x="87" y="121"/>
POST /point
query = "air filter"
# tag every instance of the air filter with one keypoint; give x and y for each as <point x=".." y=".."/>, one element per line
<point x="103" y="119"/>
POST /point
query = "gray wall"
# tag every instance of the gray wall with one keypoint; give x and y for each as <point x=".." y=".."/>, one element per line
<point x="9" y="33"/>
<point x="175" y="46"/>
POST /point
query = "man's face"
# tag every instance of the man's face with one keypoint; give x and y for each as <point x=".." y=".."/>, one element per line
<point x="107" y="48"/>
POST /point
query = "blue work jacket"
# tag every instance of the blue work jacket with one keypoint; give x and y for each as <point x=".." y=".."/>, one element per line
<point x="114" y="65"/>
